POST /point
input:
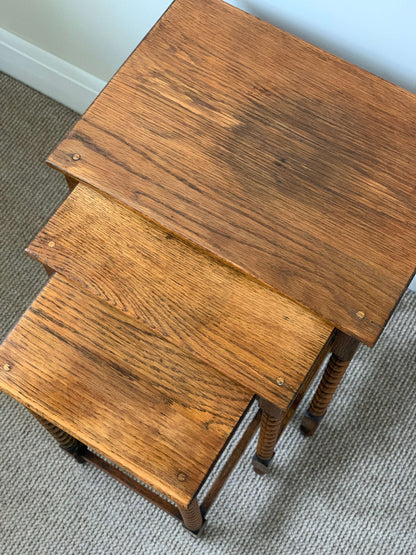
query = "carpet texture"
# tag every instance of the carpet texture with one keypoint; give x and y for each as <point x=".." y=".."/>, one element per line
<point x="350" y="489"/>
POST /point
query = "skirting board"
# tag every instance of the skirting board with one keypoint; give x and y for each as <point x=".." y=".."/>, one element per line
<point x="52" y="76"/>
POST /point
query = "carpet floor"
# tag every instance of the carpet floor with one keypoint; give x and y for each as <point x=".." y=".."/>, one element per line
<point x="349" y="490"/>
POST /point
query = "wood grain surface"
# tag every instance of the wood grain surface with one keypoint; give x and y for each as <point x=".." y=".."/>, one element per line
<point x="123" y="391"/>
<point x="224" y="317"/>
<point x="272" y="154"/>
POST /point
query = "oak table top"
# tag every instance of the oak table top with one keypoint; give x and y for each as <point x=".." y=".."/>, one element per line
<point x="215" y="312"/>
<point x="271" y="154"/>
<point x="99" y="375"/>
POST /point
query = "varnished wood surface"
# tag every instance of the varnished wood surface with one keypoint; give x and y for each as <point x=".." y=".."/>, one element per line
<point x="115" y="386"/>
<point x="282" y="159"/>
<point x="219" y="314"/>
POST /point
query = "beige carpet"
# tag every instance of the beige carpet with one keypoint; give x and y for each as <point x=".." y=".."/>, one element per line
<point x="350" y="489"/>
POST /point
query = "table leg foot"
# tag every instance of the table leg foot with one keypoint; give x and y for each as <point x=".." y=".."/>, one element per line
<point x="260" y="466"/>
<point x="343" y="351"/>
<point x="310" y="424"/>
<point x="197" y="533"/>
<point x="270" y="427"/>
<point x="192" y="519"/>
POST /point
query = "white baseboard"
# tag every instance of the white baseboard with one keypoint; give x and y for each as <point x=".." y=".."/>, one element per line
<point x="47" y="73"/>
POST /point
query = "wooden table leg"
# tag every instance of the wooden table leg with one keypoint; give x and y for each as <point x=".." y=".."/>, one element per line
<point x="271" y="423"/>
<point x="192" y="518"/>
<point x="343" y="350"/>
<point x="67" y="442"/>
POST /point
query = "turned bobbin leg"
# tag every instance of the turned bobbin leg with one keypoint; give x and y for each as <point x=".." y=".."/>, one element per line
<point x="270" y="426"/>
<point x="192" y="518"/>
<point x="343" y="350"/>
<point x="67" y="442"/>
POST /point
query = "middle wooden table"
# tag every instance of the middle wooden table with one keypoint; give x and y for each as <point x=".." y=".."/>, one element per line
<point x="217" y="313"/>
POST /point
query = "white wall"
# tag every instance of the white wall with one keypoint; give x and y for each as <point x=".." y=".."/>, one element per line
<point x="70" y="48"/>
<point x="378" y="35"/>
<point x="93" y="35"/>
<point x="97" y="35"/>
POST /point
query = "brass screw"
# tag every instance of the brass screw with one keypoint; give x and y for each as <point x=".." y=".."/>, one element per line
<point x="360" y="314"/>
<point x="51" y="244"/>
<point x="280" y="381"/>
<point x="7" y="367"/>
<point x="76" y="156"/>
<point x="182" y="477"/>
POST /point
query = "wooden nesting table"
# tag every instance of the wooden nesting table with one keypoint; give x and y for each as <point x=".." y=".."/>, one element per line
<point x="242" y="204"/>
